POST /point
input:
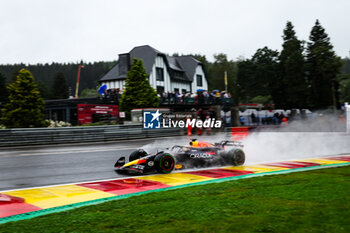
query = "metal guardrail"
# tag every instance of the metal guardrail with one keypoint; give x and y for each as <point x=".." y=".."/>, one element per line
<point x="40" y="136"/>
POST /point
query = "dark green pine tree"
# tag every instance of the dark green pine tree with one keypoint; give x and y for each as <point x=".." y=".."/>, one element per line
<point x="3" y="90"/>
<point x="59" y="89"/>
<point x="43" y="89"/>
<point x="245" y="81"/>
<point x="292" y="70"/>
<point x="25" y="107"/>
<point x="266" y="77"/>
<point x="138" y="92"/>
<point x="323" y="65"/>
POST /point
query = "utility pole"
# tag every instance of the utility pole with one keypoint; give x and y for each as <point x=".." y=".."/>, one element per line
<point x="78" y="79"/>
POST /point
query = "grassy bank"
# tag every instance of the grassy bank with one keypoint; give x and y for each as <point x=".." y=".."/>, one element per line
<point x="313" y="201"/>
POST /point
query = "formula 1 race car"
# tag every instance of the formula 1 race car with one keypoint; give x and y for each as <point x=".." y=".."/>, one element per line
<point x="197" y="154"/>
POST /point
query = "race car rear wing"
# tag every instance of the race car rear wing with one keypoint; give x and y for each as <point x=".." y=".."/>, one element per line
<point x="229" y="143"/>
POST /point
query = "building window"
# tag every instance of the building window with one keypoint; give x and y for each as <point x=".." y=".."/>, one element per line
<point x="199" y="80"/>
<point x="159" y="74"/>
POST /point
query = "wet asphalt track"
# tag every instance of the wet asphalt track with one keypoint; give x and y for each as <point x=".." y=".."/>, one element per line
<point x="48" y="165"/>
<point x="34" y="166"/>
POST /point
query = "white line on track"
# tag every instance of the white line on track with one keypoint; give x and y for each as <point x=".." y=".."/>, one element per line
<point x="102" y="143"/>
<point x="106" y="146"/>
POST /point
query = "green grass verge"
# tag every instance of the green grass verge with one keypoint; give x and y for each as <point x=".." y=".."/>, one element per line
<point x="312" y="201"/>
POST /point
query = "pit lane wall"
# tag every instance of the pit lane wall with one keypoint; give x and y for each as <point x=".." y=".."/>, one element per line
<point x="40" y="136"/>
<point x="28" y="203"/>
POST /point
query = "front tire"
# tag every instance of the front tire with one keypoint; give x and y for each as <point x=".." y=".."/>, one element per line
<point x="164" y="163"/>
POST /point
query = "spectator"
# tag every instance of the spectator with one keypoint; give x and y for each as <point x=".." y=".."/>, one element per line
<point x="211" y="113"/>
<point x="241" y="119"/>
<point x="179" y="97"/>
<point x="217" y="97"/>
<point x="275" y="118"/>
<point x="211" y="97"/>
<point x="200" y="98"/>
<point x="164" y="96"/>
<point x="176" y="97"/>
<point x="253" y="117"/>
<point x="199" y="112"/>
<point x="206" y="97"/>
<point x="171" y="97"/>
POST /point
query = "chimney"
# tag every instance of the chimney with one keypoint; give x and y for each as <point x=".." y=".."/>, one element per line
<point x="124" y="64"/>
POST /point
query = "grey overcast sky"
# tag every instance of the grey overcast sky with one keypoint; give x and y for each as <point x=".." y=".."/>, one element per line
<point x="43" y="31"/>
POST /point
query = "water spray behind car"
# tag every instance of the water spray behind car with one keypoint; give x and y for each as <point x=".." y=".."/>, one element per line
<point x="323" y="134"/>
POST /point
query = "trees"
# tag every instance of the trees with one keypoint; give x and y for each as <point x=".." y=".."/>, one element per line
<point x="87" y="92"/>
<point x="344" y="81"/>
<point x="217" y="71"/>
<point x="344" y="86"/>
<point x="268" y="80"/>
<point x="322" y="68"/>
<point x="3" y="90"/>
<point x="259" y="77"/>
<point x="291" y="62"/>
<point x="25" y="107"/>
<point x="288" y="78"/>
<point x="138" y="93"/>
<point x="47" y="72"/>
<point x="43" y="89"/>
<point x="59" y="89"/>
<point x="245" y="81"/>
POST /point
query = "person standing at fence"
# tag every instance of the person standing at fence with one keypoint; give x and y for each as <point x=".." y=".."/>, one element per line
<point x="253" y="117"/>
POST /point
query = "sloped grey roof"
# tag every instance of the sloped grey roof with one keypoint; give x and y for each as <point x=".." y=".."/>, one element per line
<point x="189" y="65"/>
<point x="148" y="54"/>
<point x="113" y="74"/>
<point x="173" y="64"/>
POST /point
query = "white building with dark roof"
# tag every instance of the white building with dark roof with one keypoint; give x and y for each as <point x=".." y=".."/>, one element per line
<point x="165" y="73"/>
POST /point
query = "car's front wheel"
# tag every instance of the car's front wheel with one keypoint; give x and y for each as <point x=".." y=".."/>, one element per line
<point x="164" y="163"/>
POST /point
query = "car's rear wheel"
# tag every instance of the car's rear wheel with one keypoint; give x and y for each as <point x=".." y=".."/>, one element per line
<point x="164" y="163"/>
<point x="236" y="157"/>
<point x="137" y="154"/>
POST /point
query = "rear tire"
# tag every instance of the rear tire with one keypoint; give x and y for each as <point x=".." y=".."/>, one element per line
<point x="164" y="163"/>
<point x="137" y="154"/>
<point x="236" y="157"/>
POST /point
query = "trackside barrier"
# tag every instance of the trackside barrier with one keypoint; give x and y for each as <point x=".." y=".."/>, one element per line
<point x="239" y="133"/>
<point x="37" y="136"/>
